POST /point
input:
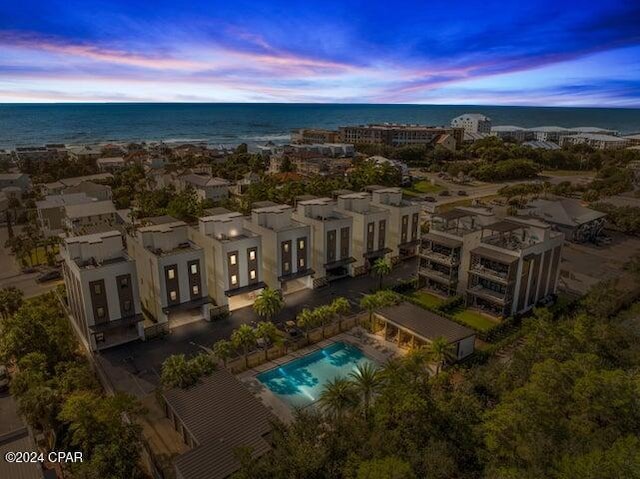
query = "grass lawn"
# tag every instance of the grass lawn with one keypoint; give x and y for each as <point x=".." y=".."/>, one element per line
<point x="475" y="319"/>
<point x="423" y="187"/>
<point x="427" y="300"/>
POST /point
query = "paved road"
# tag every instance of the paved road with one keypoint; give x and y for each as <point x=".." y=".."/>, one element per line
<point x="135" y="367"/>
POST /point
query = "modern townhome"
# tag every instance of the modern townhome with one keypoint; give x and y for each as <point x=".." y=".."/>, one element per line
<point x="369" y="233"/>
<point x="285" y="243"/>
<point x="173" y="288"/>
<point x="207" y="187"/>
<point x="441" y="251"/>
<point x="404" y="222"/>
<point x="233" y="257"/>
<point x="331" y="232"/>
<point x="102" y="290"/>
<point x="501" y="267"/>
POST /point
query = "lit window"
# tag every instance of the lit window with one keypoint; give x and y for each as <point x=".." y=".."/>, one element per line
<point x="301" y="262"/>
<point x="252" y="255"/>
<point x="97" y="288"/>
<point x="173" y="295"/>
<point x="195" y="290"/>
<point x="252" y="274"/>
<point x="371" y="228"/>
<point x="301" y="244"/>
<point x="286" y="266"/>
<point x="171" y="273"/>
<point x="100" y="312"/>
<point x="286" y="247"/>
<point x="232" y="259"/>
<point x="194" y="268"/>
<point x="234" y="279"/>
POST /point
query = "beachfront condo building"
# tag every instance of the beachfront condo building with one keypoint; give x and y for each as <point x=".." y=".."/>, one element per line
<point x="102" y="290"/>
<point x="233" y="258"/>
<point x="472" y="123"/>
<point x="369" y="234"/>
<point x="286" y="244"/>
<point x="331" y="232"/>
<point x="173" y="286"/>
<point x="404" y="222"/>
<point x="501" y="267"/>
<point x="398" y="134"/>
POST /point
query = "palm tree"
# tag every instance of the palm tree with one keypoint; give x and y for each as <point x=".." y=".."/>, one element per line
<point x="324" y="315"/>
<point x="268" y="304"/>
<point x="341" y="308"/>
<point x="441" y="351"/>
<point x="307" y="319"/>
<point x="366" y="380"/>
<point x="267" y="331"/>
<point x="223" y="349"/>
<point x="381" y="268"/>
<point x="338" y="397"/>
<point x="370" y="302"/>
<point x="244" y="337"/>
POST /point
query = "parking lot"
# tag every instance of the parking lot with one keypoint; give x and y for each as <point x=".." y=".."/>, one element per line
<point x="584" y="265"/>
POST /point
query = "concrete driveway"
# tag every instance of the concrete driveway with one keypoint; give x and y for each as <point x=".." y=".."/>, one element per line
<point x="135" y="367"/>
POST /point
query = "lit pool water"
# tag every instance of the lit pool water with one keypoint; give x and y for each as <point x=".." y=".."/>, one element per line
<point x="300" y="382"/>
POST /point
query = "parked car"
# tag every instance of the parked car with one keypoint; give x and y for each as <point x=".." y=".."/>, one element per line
<point x="462" y="193"/>
<point x="429" y="199"/>
<point x="4" y="378"/>
<point x="49" y="276"/>
<point x="444" y="193"/>
<point x="29" y="270"/>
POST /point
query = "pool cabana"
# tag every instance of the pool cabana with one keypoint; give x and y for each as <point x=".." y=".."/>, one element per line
<point x="410" y="326"/>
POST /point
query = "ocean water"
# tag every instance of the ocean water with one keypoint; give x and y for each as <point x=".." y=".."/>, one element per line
<point x="233" y="123"/>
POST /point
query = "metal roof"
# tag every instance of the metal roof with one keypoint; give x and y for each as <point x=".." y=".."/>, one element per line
<point x="221" y="415"/>
<point x="423" y="323"/>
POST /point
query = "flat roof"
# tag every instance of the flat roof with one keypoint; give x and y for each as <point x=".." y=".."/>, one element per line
<point x="453" y="214"/>
<point x="495" y="255"/>
<point x="504" y="226"/>
<point x="89" y="209"/>
<point x="423" y="323"/>
<point x="444" y="240"/>
<point x="221" y="415"/>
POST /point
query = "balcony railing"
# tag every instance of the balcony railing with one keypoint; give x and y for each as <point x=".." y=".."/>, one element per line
<point x="499" y="276"/>
<point x="489" y="294"/>
<point x="439" y="257"/>
<point x="438" y="275"/>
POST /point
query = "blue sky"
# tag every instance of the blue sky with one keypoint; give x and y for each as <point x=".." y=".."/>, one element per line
<point x="557" y="53"/>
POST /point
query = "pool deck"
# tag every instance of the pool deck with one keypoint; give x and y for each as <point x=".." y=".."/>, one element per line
<point x="372" y="346"/>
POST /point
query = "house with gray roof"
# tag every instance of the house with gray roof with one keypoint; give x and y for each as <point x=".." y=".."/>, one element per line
<point x="570" y="216"/>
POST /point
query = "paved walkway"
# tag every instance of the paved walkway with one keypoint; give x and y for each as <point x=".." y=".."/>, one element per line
<point x="135" y="367"/>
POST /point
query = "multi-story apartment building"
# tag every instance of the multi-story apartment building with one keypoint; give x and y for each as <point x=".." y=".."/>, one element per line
<point x="233" y="257"/>
<point x="102" y="290"/>
<point x="331" y="232"/>
<point x="472" y="123"/>
<point x="170" y="269"/>
<point x="404" y="222"/>
<point x="597" y="141"/>
<point x="398" y="135"/>
<point x="286" y="244"/>
<point x="501" y="267"/>
<point x="314" y="135"/>
<point x="370" y="225"/>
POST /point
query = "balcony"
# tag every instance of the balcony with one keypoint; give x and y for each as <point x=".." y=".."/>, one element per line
<point x="488" y="294"/>
<point x="491" y="274"/>
<point x="449" y="260"/>
<point x="438" y="275"/>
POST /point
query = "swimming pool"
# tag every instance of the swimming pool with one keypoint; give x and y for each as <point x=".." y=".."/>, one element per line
<point x="300" y="382"/>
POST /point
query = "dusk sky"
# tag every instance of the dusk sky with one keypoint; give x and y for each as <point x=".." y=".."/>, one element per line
<point x="557" y="53"/>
